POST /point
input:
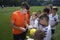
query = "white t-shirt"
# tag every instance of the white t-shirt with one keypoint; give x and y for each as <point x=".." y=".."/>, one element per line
<point x="39" y="27"/>
<point x="33" y="23"/>
<point x="47" y="31"/>
<point x="53" y="20"/>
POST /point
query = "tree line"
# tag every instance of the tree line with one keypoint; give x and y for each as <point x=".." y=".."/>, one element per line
<point x="31" y="2"/>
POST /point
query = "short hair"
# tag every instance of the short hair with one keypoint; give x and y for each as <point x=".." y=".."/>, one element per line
<point x="44" y="16"/>
<point x="34" y="13"/>
<point x="25" y="4"/>
<point x="55" y="8"/>
<point x="46" y="10"/>
<point x="39" y="35"/>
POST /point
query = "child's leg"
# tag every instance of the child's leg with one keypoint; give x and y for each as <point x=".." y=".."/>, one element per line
<point x="53" y="31"/>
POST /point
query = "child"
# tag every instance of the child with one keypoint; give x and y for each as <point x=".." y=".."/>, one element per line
<point x="53" y="19"/>
<point x="50" y="6"/>
<point x="33" y="20"/>
<point x="33" y="24"/>
<point x="46" y="11"/>
<point x="44" y="21"/>
<point x="38" y="13"/>
<point x="39" y="35"/>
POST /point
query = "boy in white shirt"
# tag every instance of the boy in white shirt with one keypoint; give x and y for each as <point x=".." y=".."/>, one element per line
<point x="44" y="21"/>
<point x="53" y="19"/>
<point x="45" y="11"/>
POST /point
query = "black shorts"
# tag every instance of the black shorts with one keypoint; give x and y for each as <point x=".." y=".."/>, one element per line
<point x="53" y="31"/>
<point x="20" y="36"/>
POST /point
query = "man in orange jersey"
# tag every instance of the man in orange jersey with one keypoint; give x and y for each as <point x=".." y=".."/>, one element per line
<point x="18" y="20"/>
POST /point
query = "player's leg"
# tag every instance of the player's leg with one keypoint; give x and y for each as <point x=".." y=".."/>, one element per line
<point x="23" y="35"/>
<point x="16" y="37"/>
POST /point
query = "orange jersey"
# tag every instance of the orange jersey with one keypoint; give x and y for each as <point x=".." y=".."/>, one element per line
<point x="19" y="19"/>
<point x="28" y="12"/>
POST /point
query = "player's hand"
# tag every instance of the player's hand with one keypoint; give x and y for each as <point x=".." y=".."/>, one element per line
<point x="23" y="29"/>
<point x="26" y="25"/>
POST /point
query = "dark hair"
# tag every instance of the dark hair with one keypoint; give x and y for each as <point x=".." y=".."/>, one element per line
<point x="25" y="4"/>
<point x="51" y="6"/>
<point x="56" y="9"/>
<point x="46" y="10"/>
<point x="27" y="7"/>
<point x="39" y="35"/>
<point x="44" y="16"/>
<point x="35" y="14"/>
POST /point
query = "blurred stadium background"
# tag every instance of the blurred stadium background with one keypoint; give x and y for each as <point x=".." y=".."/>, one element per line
<point x="31" y="2"/>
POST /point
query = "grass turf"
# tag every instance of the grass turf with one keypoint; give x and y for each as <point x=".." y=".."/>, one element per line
<point x="5" y="30"/>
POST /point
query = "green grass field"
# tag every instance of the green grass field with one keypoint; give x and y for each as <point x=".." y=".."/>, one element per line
<point x="5" y="30"/>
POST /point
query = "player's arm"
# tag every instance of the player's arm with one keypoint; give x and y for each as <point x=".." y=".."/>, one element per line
<point x="15" y="27"/>
<point x="13" y="19"/>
